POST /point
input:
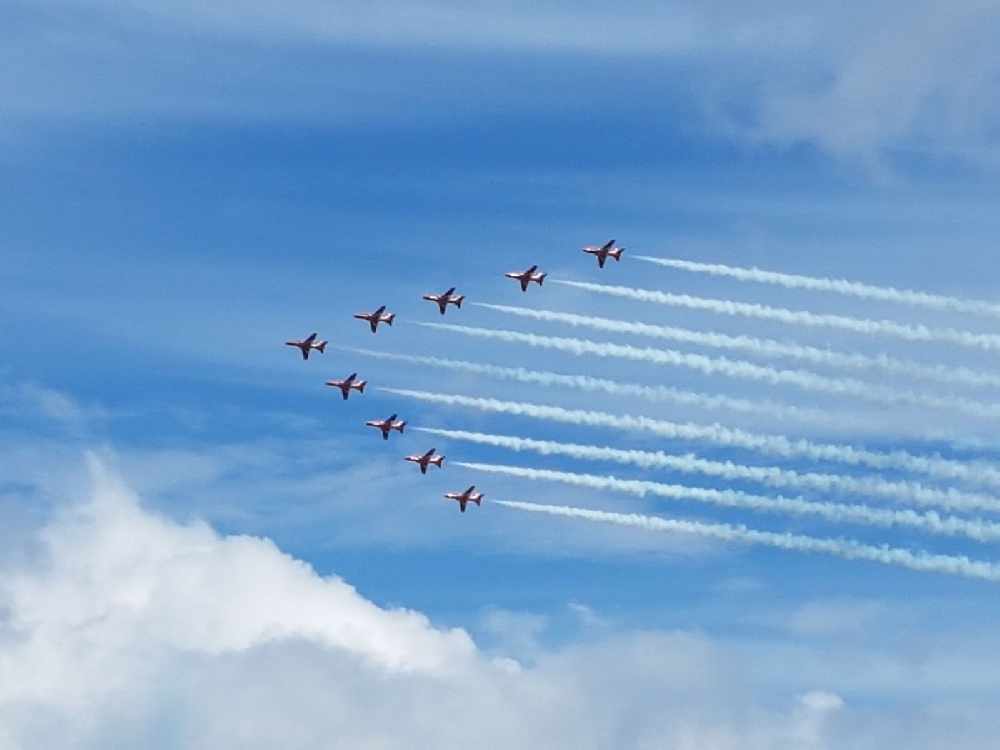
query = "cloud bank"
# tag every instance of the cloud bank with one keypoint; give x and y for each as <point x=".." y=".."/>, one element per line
<point x="135" y="630"/>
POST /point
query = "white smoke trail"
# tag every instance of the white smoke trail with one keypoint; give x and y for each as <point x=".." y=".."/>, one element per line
<point x="772" y="476"/>
<point x="844" y="548"/>
<point x="735" y="368"/>
<point x="985" y="341"/>
<point x="658" y="393"/>
<point x="931" y="523"/>
<point x="776" y="445"/>
<point x="838" y="286"/>
<point x="956" y="375"/>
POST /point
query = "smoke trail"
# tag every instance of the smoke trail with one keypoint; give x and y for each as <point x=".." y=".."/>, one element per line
<point x="735" y="368"/>
<point x="659" y="393"/>
<point x="772" y="476"/>
<point x="776" y="445"/>
<point x="985" y="341"/>
<point x="839" y="286"/>
<point x="764" y="347"/>
<point x="844" y="548"/>
<point x="931" y="523"/>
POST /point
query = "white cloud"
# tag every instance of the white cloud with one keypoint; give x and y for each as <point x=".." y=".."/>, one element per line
<point x="129" y="629"/>
<point x="32" y="400"/>
<point x="854" y="81"/>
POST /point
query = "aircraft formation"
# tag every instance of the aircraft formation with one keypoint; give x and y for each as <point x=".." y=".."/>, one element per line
<point x="449" y="297"/>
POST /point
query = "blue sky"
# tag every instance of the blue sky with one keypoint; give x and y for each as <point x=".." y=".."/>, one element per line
<point x="188" y="188"/>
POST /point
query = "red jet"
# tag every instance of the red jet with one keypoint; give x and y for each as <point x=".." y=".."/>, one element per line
<point x="448" y="298"/>
<point x="526" y="277"/>
<point x="605" y="250"/>
<point x="350" y="383"/>
<point x="469" y="496"/>
<point x="379" y="316"/>
<point x="387" y="425"/>
<point x="426" y="459"/>
<point x="308" y="344"/>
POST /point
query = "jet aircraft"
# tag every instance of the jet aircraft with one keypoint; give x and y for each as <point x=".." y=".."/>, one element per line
<point x="308" y="344"/>
<point x="374" y="318"/>
<point x="605" y="250"/>
<point x="387" y="425"/>
<point x="526" y="277"/>
<point x="469" y="496"/>
<point x="443" y="300"/>
<point x="426" y="459"/>
<point x="348" y="384"/>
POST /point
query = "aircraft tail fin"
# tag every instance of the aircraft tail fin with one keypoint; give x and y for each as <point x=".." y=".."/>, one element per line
<point x="400" y="426"/>
<point x="541" y="278"/>
<point x="616" y="253"/>
<point x="437" y="461"/>
<point x="459" y="300"/>
<point x="321" y="346"/>
<point x="361" y="385"/>
<point x="391" y="317"/>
